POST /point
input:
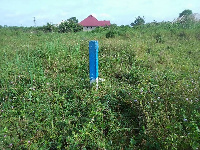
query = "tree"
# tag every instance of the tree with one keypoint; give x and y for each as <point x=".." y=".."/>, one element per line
<point x="186" y="12"/>
<point x="49" y="28"/>
<point x="71" y="25"/>
<point x="138" y="21"/>
<point x="186" y="17"/>
<point x="73" y="19"/>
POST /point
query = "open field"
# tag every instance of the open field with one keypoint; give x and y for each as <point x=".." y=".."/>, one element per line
<point x="149" y="100"/>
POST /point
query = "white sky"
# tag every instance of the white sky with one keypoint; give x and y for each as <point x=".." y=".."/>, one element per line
<point x="120" y="12"/>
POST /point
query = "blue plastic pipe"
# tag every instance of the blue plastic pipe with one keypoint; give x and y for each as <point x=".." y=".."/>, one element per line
<point x="93" y="61"/>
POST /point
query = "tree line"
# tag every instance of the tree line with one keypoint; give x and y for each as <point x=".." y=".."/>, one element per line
<point x="183" y="16"/>
<point x="72" y="25"/>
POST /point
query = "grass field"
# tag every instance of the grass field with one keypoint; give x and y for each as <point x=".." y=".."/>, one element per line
<point x="149" y="100"/>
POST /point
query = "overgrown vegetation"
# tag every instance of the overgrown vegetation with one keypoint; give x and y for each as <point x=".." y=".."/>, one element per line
<point x="65" y="26"/>
<point x="149" y="100"/>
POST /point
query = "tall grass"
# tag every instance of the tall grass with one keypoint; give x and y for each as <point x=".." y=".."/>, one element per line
<point x="150" y="99"/>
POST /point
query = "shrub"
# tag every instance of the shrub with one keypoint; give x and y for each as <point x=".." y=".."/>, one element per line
<point x="111" y="34"/>
<point x="48" y="28"/>
<point x="69" y="26"/>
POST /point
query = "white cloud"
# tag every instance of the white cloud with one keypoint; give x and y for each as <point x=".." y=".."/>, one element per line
<point x="104" y="15"/>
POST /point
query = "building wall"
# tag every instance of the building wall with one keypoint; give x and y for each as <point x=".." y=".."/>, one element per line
<point x="88" y="28"/>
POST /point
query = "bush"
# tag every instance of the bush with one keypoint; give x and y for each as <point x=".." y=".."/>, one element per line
<point x="48" y="28"/>
<point x="69" y="26"/>
<point x="99" y="29"/>
<point x="110" y="34"/>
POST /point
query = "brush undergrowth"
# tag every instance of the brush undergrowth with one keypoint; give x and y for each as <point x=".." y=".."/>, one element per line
<point x="149" y="100"/>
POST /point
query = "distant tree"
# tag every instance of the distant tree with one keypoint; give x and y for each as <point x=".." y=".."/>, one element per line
<point x="49" y="27"/>
<point x="186" y="18"/>
<point x="73" y="19"/>
<point x="186" y="12"/>
<point x="71" y="25"/>
<point x="138" y="21"/>
<point x="113" y="25"/>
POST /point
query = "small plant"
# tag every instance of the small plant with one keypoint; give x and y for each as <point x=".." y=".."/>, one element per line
<point x="159" y="38"/>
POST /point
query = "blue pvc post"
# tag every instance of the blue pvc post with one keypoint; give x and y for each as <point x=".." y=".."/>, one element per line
<point x="93" y="61"/>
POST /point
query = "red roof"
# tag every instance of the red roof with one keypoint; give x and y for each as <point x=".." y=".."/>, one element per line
<point x="93" y="22"/>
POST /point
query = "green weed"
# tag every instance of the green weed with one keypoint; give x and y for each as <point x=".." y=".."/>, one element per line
<point x="149" y="100"/>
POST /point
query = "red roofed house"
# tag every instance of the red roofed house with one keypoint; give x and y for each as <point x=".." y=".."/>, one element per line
<point x="90" y="23"/>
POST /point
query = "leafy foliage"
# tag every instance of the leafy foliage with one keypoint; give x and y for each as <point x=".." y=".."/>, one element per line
<point x="150" y="99"/>
<point x="138" y="21"/>
<point x="49" y="28"/>
<point x="110" y="34"/>
<point x="71" y="25"/>
<point x="186" y="12"/>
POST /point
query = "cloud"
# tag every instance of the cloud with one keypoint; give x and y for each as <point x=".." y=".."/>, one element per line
<point x="104" y="15"/>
